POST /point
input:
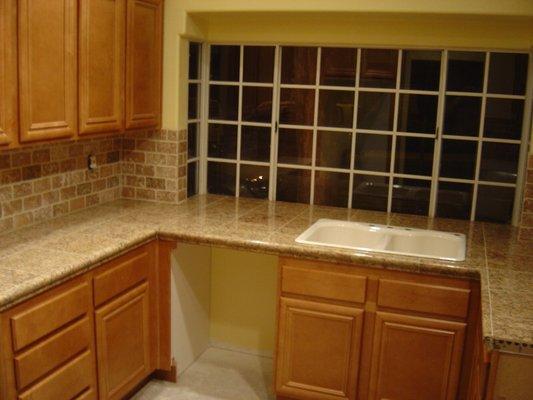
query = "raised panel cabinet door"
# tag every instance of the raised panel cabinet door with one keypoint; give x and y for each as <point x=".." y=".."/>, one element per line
<point x="102" y="41"/>
<point x="318" y="350"/>
<point x="415" y="358"/>
<point x="8" y="73"/>
<point x="143" y="63"/>
<point x="47" y="69"/>
<point x="123" y="343"/>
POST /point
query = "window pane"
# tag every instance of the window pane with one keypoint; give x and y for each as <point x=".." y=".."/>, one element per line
<point x="494" y="204"/>
<point x="258" y="64"/>
<point x="192" y="178"/>
<point x="221" y="178"/>
<point x="194" y="60"/>
<point x="375" y="111"/>
<point x="378" y="68"/>
<point x="331" y="188"/>
<point x="507" y="73"/>
<point x="293" y="185"/>
<point x="414" y="156"/>
<point x="465" y="71"/>
<point x="297" y="106"/>
<point x="370" y="192"/>
<point x="254" y="181"/>
<point x="295" y="146"/>
<point x="420" y="70"/>
<point x="462" y="115"/>
<point x="257" y="104"/>
<point x="499" y="162"/>
<point x="222" y="141"/>
<point x="223" y="102"/>
<point x="454" y="200"/>
<point x="333" y="149"/>
<point x="225" y="62"/>
<point x="458" y="159"/>
<point x="337" y="66"/>
<point x="255" y="143"/>
<point x="411" y="196"/>
<point x="194" y="101"/>
<point x="335" y="108"/>
<point x="503" y="118"/>
<point x="373" y="152"/>
<point x="192" y="140"/>
<point x="417" y="113"/>
<point x="298" y="65"/>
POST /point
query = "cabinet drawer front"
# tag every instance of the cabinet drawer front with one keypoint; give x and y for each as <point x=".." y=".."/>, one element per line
<point x="51" y="353"/>
<point x="420" y="297"/>
<point x="69" y="382"/>
<point x="46" y="317"/>
<point x="332" y="285"/>
<point x="127" y="272"/>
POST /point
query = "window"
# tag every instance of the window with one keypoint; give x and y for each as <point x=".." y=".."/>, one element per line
<point x="429" y="132"/>
<point x="194" y="116"/>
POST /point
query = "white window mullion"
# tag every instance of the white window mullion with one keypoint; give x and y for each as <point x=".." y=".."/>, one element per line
<point x="354" y="127"/>
<point x="239" y="126"/>
<point x="315" y="125"/>
<point x="274" y="135"/>
<point x="204" y="114"/>
<point x="394" y="131"/>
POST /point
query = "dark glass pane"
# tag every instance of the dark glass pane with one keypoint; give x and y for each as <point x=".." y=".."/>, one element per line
<point x="414" y="156"/>
<point x="293" y="185"/>
<point x="335" y="108"/>
<point x="507" y="73"/>
<point x="194" y="60"/>
<point x="373" y="152"/>
<point x="255" y="143"/>
<point x="331" y="188"/>
<point x="192" y="178"/>
<point x="297" y="106"/>
<point x="225" y="62"/>
<point x="254" y="181"/>
<point x="465" y="71"/>
<point x="454" y="200"/>
<point x="458" y="159"/>
<point x="417" y="113"/>
<point x="420" y="70"/>
<point x="370" y="192"/>
<point x="194" y="101"/>
<point x="499" y="162"/>
<point x="257" y="104"/>
<point x="495" y="204"/>
<point x="192" y="140"/>
<point x="295" y="147"/>
<point x="411" y="196"/>
<point x="222" y="141"/>
<point x="337" y="66"/>
<point x="378" y="68"/>
<point x="223" y="102"/>
<point x="503" y="118"/>
<point x="298" y="65"/>
<point x="333" y="149"/>
<point x="462" y="115"/>
<point x="375" y="111"/>
<point x="258" y="64"/>
<point x="221" y="178"/>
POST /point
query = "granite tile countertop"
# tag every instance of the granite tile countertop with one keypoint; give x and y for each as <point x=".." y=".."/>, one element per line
<point x="37" y="258"/>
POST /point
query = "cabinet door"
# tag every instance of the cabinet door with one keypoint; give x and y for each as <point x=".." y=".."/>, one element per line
<point x="318" y="350"/>
<point x="123" y="343"/>
<point x="415" y="358"/>
<point x="47" y="69"/>
<point x="102" y="47"/>
<point x="143" y="63"/>
<point x="8" y="72"/>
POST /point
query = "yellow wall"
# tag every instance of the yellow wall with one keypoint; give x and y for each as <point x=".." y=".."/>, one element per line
<point x="243" y="300"/>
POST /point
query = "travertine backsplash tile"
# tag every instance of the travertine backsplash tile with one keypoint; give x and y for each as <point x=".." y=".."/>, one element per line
<point x="526" y="223"/>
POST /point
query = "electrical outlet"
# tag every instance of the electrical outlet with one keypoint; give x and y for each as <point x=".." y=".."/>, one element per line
<point x="91" y="162"/>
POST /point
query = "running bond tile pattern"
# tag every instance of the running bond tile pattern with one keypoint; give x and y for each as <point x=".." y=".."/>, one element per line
<point x="526" y="224"/>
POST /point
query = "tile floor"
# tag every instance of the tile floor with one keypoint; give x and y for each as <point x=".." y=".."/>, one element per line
<point x="217" y="375"/>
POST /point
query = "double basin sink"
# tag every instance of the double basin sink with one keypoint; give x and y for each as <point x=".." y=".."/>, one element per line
<point x="386" y="239"/>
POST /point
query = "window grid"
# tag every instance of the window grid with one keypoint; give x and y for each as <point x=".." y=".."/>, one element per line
<point x="194" y="162"/>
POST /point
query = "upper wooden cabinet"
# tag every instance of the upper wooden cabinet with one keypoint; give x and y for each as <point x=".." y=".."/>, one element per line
<point x="143" y="63"/>
<point x="101" y="70"/>
<point x="47" y="33"/>
<point x="8" y="72"/>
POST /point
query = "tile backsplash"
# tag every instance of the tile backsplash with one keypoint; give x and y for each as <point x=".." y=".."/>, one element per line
<point x="526" y="223"/>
